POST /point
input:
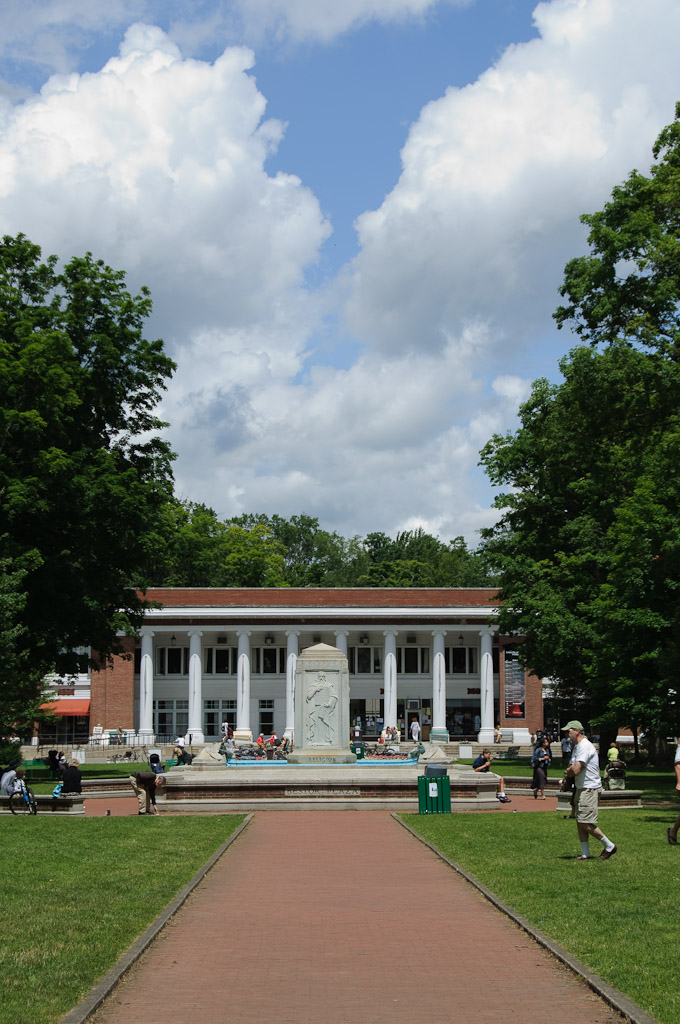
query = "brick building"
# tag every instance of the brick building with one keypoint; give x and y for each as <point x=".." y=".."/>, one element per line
<point x="208" y="656"/>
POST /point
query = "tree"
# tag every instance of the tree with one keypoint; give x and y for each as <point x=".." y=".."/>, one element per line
<point x="254" y="558"/>
<point x="588" y="542"/>
<point x="84" y="477"/>
<point x="402" y="572"/>
<point x="628" y="288"/>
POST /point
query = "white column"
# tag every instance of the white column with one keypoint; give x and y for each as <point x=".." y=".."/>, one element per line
<point x="243" y="733"/>
<point x="390" y="685"/>
<point x="291" y="662"/>
<point x="439" y="733"/>
<point x="145" y="730"/>
<point x="195" y="729"/>
<point x="341" y="640"/>
<point x="486" y="732"/>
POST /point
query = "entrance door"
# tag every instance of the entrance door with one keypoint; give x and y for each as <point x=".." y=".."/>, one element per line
<point x="414" y="716"/>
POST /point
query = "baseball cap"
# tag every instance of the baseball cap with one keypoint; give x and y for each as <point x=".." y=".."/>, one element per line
<point x="573" y="725"/>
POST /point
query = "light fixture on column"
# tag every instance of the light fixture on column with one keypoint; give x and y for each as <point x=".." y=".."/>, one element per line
<point x="269" y="639"/>
<point x="363" y="639"/>
<point x="173" y="638"/>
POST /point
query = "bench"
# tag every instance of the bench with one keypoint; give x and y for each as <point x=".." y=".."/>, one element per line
<point x="506" y="755"/>
<point x="38" y="774"/>
<point x="74" y="803"/>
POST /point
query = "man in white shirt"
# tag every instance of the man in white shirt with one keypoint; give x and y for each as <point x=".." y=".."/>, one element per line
<point x="672" y="832"/>
<point x="585" y="770"/>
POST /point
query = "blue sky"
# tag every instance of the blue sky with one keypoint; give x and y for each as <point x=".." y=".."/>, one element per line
<point x="353" y="218"/>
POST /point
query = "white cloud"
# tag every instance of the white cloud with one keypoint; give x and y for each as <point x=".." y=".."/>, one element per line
<point x="157" y="163"/>
<point x="495" y="176"/>
<point x="326" y="19"/>
<point x="53" y="34"/>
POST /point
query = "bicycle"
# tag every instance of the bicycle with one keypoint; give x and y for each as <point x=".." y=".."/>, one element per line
<point x="23" y="801"/>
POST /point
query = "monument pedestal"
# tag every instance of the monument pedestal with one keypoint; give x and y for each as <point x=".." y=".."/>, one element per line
<point x="326" y="756"/>
<point x="321" y="708"/>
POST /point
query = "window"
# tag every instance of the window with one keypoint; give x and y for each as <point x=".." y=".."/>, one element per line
<point x="214" y="713"/>
<point x="416" y="660"/>
<point x="269" y="660"/>
<point x="170" y="718"/>
<point x="461" y="660"/>
<point x="220" y="661"/>
<point x="266" y="708"/>
<point x="172" y="661"/>
<point x="364" y="660"/>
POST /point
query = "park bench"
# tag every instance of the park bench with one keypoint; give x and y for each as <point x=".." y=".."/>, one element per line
<point x="506" y="755"/>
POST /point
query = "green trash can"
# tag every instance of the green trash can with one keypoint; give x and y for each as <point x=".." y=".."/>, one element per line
<point x="434" y="794"/>
<point x="358" y="748"/>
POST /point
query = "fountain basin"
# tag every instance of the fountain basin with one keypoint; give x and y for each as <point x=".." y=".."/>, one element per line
<point x="278" y="786"/>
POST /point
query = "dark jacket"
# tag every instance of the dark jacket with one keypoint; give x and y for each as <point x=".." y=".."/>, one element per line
<point x="72" y="780"/>
<point x="147" y="780"/>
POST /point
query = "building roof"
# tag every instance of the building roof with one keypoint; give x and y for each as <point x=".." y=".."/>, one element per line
<point x="337" y="598"/>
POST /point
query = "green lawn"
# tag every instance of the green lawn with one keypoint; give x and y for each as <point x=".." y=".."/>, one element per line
<point x="618" y="916"/>
<point x="74" y="893"/>
<point x="657" y="783"/>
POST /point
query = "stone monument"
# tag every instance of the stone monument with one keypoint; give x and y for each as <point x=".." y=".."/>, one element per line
<point x="321" y="707"/>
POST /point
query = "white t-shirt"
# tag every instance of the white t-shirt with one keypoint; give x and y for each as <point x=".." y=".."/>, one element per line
<point x="589" y="776"/>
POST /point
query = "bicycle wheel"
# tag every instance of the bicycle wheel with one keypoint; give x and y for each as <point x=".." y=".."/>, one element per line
<point x="32" y="802"/>
<point x="19" y="803"/>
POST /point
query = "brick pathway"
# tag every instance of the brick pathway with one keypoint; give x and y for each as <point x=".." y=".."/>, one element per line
<point x="303" y="921"/>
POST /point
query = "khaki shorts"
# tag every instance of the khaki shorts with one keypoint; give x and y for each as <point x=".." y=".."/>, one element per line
<point x="586" y="806"/>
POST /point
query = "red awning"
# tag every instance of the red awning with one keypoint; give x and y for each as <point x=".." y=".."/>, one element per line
<point x="67" y="707"/>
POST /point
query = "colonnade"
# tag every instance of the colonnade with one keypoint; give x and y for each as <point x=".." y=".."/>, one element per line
<point x="439" y="732"/>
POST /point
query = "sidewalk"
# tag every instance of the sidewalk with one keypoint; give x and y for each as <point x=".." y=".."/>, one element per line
<point x="335" y="917"/>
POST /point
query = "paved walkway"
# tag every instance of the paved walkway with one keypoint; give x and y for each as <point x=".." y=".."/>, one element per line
<point x="302" y="921"/>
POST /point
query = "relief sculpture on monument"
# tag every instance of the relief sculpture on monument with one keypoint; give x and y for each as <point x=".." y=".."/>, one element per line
<point x="322" y="701"/>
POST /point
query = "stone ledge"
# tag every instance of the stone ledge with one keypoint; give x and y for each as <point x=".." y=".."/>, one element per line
<point x="71" y="804"/>
<point x="610" y="799"/>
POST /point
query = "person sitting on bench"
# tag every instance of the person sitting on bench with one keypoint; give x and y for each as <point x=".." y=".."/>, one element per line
<point x="482" y="764"/>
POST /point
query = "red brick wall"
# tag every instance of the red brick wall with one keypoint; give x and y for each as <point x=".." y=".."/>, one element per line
<point x="292" y="597"/>
<point x="112" y="696"/>
<point x="534" y="701"/>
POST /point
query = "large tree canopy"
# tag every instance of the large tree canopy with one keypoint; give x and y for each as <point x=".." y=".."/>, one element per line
<point x="257" y="550"/>
<point x="84" y="476"/>
<point x="588" y="544"/>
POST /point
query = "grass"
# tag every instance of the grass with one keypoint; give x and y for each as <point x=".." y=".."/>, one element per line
<point x="74" y="894"/>
<point x="658" y="783"/>
<point x="617" y="916"/>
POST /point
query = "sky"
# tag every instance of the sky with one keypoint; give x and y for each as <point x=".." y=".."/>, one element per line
<point x="353" y="218"/>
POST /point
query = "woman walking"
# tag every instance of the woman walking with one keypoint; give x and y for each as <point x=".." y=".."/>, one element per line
<point x="540" y="763"/>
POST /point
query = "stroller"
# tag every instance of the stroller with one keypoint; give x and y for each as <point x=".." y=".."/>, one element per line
<point x="156" y="765"/>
